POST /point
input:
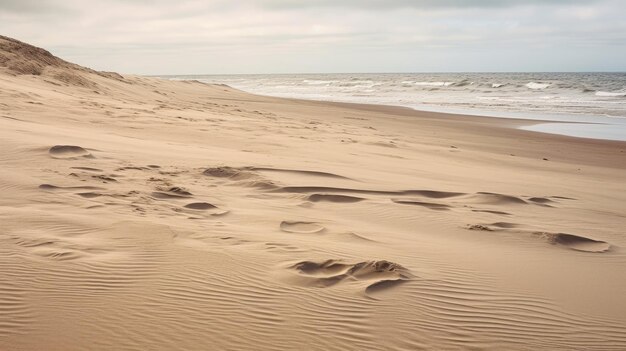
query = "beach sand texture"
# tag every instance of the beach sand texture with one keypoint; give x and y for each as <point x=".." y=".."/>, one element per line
<point x="144" y="214"/>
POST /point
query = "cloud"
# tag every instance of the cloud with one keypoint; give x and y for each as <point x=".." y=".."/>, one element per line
<point x="190" y="36"/>
<point x="31" y="6"/>
<point x="42" y="6"/>
<point x="417" y="4"/>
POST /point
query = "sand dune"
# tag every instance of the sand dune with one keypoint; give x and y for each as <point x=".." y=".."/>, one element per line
<point x="145" y="214"/>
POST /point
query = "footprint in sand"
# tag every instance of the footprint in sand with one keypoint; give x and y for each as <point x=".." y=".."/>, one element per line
<point x="89" y="195"/>
<point x="479" y="227"/>
<point x="491" y="227"/>
<point x="493" y="212"/>
<point x="575" y="242"/>
<point x="375" y="276"/>
<point x="301" y="227"/>
<point x="279" y="247"/>
<point x="227" y="172"/>
<point x="89" y="169"/>
<point x="200" y="206"/>
<point x="429" y="205"/>
<point x="196" y="208"/>
<point x="334" y="198"/>
<point x="179" y="191"/>
<point x="487" y="198"/>
<point x="569" y="241"/>
<point x="51" y="187"/>
<point x="542" y="201"/>
<point x="172" y="193"/>
<point x="300" y="172"/>
<point x="68" y="152"/>
<point x="165" y="196"/>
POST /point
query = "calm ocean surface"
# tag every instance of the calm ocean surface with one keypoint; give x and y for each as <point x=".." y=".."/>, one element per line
<point x="597" y="99"/>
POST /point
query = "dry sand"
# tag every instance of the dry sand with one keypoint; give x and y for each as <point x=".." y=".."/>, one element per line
<point x="145" y="214"/>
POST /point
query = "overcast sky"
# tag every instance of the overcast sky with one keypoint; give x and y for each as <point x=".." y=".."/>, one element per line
<point x="301" y="36"/>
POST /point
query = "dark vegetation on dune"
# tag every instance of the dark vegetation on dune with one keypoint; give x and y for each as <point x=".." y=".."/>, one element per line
<point x="19" y="58"/>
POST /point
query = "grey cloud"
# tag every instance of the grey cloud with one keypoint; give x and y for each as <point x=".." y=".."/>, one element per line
<point x="44" y="6"/>
<point x="32" y="6"/>
<point x="392" y="4"/>
<point x="193" y="36"/>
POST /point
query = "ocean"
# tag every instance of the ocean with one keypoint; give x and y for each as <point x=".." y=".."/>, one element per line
<point x="594" y="104"/>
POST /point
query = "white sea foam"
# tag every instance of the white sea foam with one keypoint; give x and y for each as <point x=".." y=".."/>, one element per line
<point x="611" y="94"/>
<point x="497" y="85"/>
<point x="319" y="82"/>
<point x="434" y="84"/>
<point x="537" y="86"/>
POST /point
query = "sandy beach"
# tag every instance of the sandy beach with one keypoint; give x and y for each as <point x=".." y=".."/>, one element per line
<point x="146" y="214"/>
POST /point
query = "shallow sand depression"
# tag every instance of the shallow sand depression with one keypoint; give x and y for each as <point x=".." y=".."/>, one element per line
<point x="145" y="214"/>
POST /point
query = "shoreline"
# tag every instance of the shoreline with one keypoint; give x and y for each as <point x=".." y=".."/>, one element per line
<point x="534" y="125"/>
<point x="566" y="97"/>
<point x="539" y="122"/>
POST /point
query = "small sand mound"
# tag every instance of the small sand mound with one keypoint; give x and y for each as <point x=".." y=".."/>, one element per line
<point x="200" y="206"/>
<point x="301" y="227"/>
<point x="334" y="198"/>
<point x="578" y="243"/>
<point x="68" y="151"/>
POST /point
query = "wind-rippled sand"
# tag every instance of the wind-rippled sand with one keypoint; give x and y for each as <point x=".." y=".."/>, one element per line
<point x="143" y="214"/>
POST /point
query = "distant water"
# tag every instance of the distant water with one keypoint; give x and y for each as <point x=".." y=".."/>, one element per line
<point x="575" y="97"/>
